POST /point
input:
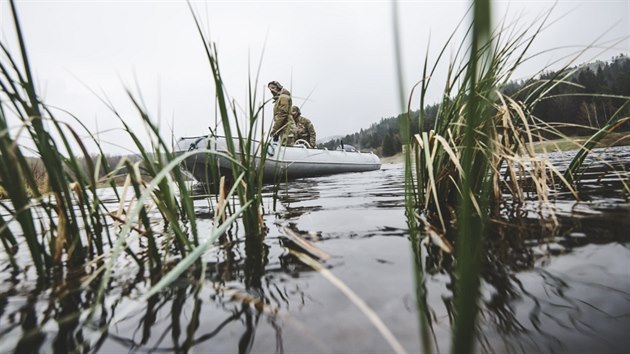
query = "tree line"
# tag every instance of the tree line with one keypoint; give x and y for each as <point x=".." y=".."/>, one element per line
<point x="38" y="170"/>
<point x="587" y="97"/>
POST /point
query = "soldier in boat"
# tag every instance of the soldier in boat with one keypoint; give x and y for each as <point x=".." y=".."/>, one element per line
<point x="283" y="124"/>
<point x="304" y="128"/>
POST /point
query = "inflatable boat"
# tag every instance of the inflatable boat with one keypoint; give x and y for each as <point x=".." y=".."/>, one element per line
<point x="280" y="162"/>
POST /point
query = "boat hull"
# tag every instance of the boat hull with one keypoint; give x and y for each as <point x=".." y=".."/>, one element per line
<point x="280" y="162"/>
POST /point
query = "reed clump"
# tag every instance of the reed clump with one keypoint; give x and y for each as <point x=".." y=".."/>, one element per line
<point x="24" y="185"/>
<point x="246" y="152"/>
<point x="52" y="206"/>
<point x="479" y="159"/>
<point x="500" y="138"/>
<point x="51" y="193"/>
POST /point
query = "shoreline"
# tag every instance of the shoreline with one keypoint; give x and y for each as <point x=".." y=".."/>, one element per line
<point x="570" y="143"/>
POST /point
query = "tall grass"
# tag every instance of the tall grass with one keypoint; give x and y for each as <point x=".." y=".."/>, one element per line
<point x="248" y="157"/>
<point x="65" y="181"/>
<point x="480" y="147"/>
<point x="572" y="173"/>
<point x="68" y="226"/>
<point x="424" y="318"/>
<point x="480" y="80"/>
<point x="69" y="230"/>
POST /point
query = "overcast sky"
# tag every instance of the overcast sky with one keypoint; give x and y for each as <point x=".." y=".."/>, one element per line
<point x="336" y="53"/>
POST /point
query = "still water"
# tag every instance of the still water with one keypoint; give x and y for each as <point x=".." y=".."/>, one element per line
<point x="547" y="287"/>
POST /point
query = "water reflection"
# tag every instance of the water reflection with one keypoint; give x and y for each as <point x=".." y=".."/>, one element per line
<point x="543" y="286"/>
<point x="291" y="196"/>
<point x="28" y="318"/>
<point x="177" y="320"/>
<point x="547" y="286"/>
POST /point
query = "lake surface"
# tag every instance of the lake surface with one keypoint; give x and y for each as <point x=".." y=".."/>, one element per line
<point x="562" y="287"/>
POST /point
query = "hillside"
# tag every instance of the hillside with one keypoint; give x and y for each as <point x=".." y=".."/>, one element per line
<point x="585" y="100"/>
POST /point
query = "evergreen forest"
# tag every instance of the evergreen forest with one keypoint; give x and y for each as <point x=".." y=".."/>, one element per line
<point x="589" y="95"/>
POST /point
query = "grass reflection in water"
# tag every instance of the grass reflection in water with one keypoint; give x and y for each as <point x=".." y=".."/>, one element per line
<point x="549" y="289"/>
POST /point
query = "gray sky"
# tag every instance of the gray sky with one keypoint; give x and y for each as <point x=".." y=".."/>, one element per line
<point x="338" y="52"/>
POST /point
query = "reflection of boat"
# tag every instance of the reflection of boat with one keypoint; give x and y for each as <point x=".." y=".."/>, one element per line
<point x="289" y="162"/>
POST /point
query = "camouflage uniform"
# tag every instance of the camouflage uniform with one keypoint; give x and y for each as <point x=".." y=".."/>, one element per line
<point x="305" y="130"/>
<point x="283" y="123"/>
